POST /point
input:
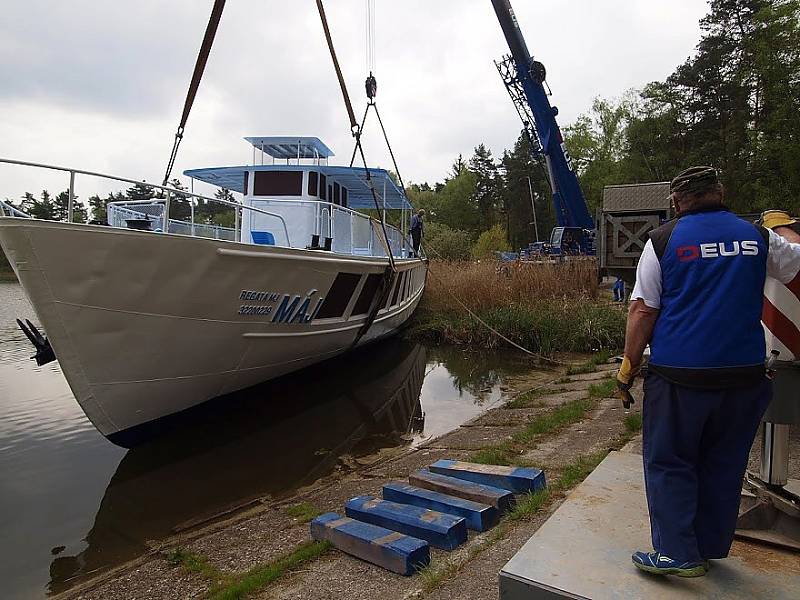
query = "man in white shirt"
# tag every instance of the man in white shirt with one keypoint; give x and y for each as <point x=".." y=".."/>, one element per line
<point x="697" y="302"/>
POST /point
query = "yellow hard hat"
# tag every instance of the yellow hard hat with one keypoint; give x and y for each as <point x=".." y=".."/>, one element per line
<point x="776" y="218"/>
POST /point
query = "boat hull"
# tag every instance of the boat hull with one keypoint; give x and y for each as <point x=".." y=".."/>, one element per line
<point x="146" y="325"/>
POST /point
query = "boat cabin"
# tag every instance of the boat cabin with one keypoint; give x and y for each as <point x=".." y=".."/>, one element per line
<point x="298" y="200"/>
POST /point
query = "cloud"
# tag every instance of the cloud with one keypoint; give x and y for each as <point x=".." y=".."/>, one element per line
<point x="100" y="85"/>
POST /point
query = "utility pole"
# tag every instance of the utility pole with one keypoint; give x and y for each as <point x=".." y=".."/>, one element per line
<point x="533" y="209"/>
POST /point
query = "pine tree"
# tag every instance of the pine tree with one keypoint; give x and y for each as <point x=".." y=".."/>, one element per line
<point x="140" y="191"/>
<point x="487" y="196"/>
<point x="79" y="213"/>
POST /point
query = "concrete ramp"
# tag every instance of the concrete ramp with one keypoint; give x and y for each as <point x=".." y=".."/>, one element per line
<point x="584" y="549"/>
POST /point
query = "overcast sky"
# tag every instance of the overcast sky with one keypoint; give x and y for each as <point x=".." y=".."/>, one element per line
<point x="100" y="85"/>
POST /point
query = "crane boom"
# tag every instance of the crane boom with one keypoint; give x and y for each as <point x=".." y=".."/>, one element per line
<point x="525" y="76"/>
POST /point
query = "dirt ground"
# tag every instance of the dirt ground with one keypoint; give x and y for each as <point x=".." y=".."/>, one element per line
<point x="265" y="531"/>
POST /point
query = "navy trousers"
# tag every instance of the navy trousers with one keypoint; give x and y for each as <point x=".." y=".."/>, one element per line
<point x="696" y="446"/>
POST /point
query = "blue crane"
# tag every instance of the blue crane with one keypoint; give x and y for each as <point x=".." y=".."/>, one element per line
<point x="524" y="78"/>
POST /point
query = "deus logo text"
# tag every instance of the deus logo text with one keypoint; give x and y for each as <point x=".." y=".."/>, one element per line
<point x="717" y="250"/>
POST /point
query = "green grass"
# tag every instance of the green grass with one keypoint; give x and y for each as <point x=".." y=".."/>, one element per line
<point x="437" y="572"/>
<point x="546" y="327"/>
<point x="552" y="421"/>
<point x="261" y="576"/>
<point x="590" y="366"/>
<point x="530" y="399"/>
<point x="303" y="512"/>
<point x="195" y="563"/>
<point x="233" y="586"/>
<point x="493" y="455"/>
<point x="529" y="504"/>
<point x="579" y="470"/>
<point x="604" y="389"/>
<point x="633" y="422"/>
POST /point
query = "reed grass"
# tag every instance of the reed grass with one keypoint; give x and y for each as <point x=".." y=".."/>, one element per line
<point x="488" y="285"/>
<point x="546" y="308"/>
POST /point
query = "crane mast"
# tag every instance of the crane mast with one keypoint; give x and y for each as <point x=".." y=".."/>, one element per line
<point x="524" y="78"/>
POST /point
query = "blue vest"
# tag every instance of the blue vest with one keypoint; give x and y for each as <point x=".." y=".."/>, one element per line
<point x="713" y="268"/>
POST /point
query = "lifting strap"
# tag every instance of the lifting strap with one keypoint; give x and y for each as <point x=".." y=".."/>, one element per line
<point x="199" y="67"/>
<point x="356" y="131"/>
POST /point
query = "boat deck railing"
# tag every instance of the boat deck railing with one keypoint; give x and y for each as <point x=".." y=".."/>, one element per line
<point x="291" y="223"/>
<point x="349" y="231"/>
<point x="6" y="210"/>
<point x="165" y="194"/>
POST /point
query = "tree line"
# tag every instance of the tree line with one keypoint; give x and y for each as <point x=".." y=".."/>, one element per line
<point x="734" y="105"/>
<point x="55" y="207"/>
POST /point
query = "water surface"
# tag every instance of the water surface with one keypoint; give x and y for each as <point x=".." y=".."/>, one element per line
<point x="72" y="503"/>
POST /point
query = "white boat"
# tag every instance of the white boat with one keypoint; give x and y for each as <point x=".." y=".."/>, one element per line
<point x="153" y="315"/>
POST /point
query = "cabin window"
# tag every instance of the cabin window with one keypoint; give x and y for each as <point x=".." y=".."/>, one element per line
<point x="246" y="182"/>
<point x="339" y="295"/>
<point x="323" y="187"/>
<point x="367" y="294"/>
<point x="278" y="183"/>
<point x="313" y="183"/>
<point x="390" y="294"/>
<point x="330" y="193"/>
<point x="337" y="193"/>
<point x="398" y="287"/>
<point x="344" y="197"/>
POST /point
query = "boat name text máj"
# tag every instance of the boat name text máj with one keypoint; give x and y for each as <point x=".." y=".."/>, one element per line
<point x="287" y="311"/>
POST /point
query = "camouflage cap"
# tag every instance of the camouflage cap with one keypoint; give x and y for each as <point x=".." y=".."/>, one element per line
<point x="694" y="179"/>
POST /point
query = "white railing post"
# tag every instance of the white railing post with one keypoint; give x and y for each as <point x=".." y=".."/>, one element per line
<point x="191" y="202"/>
<point x="237" y="224"/>
<point x="71" y="200"/>
<point x="165" y="227"/>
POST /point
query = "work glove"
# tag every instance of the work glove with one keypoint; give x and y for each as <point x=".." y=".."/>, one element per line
<point x="625" y="378"/>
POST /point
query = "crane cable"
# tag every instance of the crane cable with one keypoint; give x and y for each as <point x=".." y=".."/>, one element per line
<point x="369" y="53"/>
<point x="356" y="131"/>
<point x="199" y="67"/>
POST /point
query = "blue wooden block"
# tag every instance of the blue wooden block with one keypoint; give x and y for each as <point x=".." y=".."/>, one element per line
<point x="516" y="479"/>
<point x="501" y="499"/>
<point x="440" y="530"/>
<point x="479" y="517"/>
<point x="388" y="549"/>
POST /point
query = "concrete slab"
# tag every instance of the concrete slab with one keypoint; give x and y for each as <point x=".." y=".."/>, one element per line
<point x="394" y="551"/>
<point x="583" y="551"/>
<point x="440" y="530"/>
<point x="502" y="500"/>
<point x="521" y="480"/>
<point x="479" y="517"/>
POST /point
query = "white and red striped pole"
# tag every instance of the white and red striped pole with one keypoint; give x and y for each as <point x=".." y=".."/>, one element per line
<point x="781" y="320"/>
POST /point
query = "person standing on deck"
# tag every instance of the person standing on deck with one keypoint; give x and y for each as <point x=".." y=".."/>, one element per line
<point x="417" y="227"/>
<point x="697" y="301"/>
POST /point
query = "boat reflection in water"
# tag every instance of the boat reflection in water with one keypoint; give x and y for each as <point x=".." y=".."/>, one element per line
<point x="264" y="441"/>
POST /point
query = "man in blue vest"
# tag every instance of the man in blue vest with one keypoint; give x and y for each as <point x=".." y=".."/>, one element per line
<point x="697" y="301"/>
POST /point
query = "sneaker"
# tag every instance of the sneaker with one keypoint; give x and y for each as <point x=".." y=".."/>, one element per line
<point x="655" y="562"/>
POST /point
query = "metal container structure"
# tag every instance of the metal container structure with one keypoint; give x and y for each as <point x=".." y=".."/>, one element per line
<point x="629" y="213"/>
